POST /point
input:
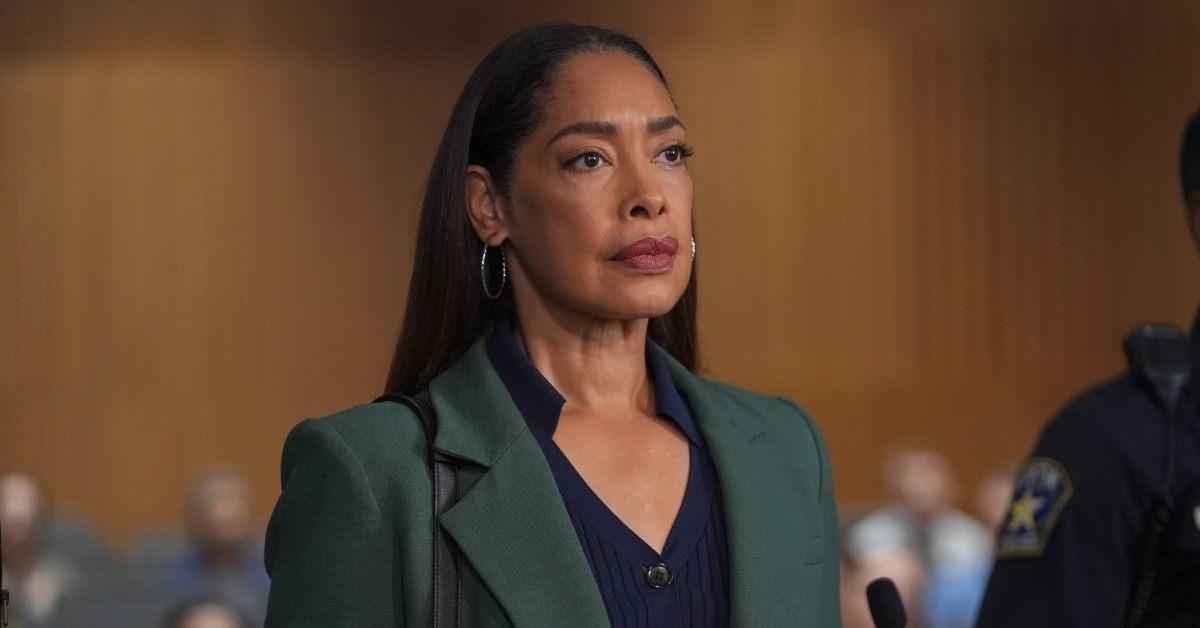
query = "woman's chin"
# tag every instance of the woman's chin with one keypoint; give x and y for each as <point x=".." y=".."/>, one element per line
<point x="639" y="305"/>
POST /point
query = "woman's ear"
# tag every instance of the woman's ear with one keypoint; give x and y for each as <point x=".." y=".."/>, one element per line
<point x="485" y="207"/>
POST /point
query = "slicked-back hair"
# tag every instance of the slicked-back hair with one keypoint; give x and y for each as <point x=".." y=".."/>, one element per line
<point x="1189" y="162"/>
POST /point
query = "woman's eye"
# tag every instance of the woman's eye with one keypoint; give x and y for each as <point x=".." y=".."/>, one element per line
<point x="587" y="161"/>
<point x="676" y="153"/>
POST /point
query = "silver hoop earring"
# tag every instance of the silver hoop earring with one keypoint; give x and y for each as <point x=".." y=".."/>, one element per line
<point x="693" y="247"/>
<point x="483" y="271"/>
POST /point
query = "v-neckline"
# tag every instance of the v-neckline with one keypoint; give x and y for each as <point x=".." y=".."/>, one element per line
<point x="690" y="520"/>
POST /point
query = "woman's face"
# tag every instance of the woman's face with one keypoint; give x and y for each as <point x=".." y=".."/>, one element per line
<point x="603" y="171"/>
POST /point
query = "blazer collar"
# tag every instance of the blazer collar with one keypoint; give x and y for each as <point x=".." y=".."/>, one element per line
<point x="513" y="528"/>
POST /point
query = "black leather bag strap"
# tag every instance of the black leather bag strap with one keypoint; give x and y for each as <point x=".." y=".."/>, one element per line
<point x="445" y="493"/>
<point x="1160" y="361"/>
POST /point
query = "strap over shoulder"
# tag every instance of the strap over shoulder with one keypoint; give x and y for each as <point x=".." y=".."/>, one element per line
<point x="445" y="493"/>
<point x="420" y="406"/>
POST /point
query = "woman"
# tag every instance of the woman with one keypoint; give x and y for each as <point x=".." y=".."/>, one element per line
<point x="551" y="323"/>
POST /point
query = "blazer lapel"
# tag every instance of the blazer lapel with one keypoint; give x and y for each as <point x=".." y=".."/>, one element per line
<point x="766" y="518"/>
<point x="511" y="524"/>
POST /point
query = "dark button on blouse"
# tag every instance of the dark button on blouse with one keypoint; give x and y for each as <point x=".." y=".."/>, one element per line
<point x="658" y="575"/>
<point x="688" y="584"/>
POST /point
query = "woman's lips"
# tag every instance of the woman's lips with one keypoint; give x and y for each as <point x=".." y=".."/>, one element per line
<point x="648" y="254"/>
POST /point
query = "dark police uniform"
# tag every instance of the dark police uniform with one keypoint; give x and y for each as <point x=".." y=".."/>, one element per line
<point x="1069" y="552"/>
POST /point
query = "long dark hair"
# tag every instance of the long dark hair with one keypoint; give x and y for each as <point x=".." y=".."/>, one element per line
<point x="499" y="107"/>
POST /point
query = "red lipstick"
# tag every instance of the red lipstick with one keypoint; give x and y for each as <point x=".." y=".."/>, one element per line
<point x="649" y="254"/>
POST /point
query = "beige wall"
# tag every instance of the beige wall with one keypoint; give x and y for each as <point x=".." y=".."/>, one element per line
<point x="922" y="220"/>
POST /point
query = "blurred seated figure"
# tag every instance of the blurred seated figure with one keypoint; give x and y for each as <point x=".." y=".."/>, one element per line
<point x="993" y="496"/>
<point x="224" y="554"/>
<point x="206" y="613"/>
<point x="37" y="578"/>
<point x="955" y="549"/>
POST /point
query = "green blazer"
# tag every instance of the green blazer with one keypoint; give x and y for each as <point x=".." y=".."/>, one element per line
<point x="350" y="540"/>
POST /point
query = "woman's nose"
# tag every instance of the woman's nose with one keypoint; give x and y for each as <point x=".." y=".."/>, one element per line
<point x="645" y="198"/>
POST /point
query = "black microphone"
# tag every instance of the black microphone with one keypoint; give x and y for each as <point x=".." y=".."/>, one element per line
<point x="887" y="611"/>
<point x="3" y="593"/>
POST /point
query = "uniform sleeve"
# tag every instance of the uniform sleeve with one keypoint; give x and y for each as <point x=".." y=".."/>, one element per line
<point x="328" y="549"/>
<point x="1067" y="550"/>
<point x="829" y="520"/>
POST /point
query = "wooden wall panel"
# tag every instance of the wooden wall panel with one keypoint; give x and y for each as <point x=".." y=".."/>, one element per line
<point x="924" y="220"/>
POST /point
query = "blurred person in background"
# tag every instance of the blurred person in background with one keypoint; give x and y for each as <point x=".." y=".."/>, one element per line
<point x="224" y="554"/>
<point x="993" y="495"/>
<point x="215" y="560"/>
<point x="37" y="577"/>
<point x="206" y="613"/>
<point x="954" y="549"/>
<point x="1104" y="527"/>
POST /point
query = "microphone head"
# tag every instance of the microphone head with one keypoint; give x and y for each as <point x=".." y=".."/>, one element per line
<point x="887" y="611"/>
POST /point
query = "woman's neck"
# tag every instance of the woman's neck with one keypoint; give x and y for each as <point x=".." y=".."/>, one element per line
<point x="596" y="364"/>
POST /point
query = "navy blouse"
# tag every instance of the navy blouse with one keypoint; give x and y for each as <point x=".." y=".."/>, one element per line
<point x="688" y="584"/>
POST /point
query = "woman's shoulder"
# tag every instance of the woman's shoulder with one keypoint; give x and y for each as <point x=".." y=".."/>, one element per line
<point x="773" y="408"/>
<point x="368" y="434"/>
<point x="778" y="414"/>
<point x="375" y="424"/>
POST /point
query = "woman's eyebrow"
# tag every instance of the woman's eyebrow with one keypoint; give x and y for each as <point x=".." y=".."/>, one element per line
<point x="596" y="127"/>
<point x="585" y="128"/>
<point x="660" y="124"/>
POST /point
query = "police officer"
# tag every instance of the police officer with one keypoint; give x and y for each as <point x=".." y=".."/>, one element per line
<point x="1104" y="526"/>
